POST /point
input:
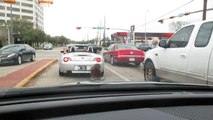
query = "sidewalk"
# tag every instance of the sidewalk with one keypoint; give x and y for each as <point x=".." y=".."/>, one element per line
<point x="22" y="76"/>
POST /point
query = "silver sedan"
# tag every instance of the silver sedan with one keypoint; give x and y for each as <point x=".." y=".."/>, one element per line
<point x="80" y="59"/>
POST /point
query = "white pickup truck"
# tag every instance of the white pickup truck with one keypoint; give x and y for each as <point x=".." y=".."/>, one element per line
<point x="186" y="57"/>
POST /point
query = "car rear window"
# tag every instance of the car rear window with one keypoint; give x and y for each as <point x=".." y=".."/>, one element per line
<point x="125" y="46"/>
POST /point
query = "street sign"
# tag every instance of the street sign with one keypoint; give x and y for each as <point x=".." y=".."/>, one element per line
<point x="99" y="27"/>
<point x="132" y="28"/>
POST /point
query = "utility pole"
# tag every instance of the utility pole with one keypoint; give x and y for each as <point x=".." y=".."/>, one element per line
<point x="204" y="9"/>
<point x="104" y="34"/>
<point x="11" y="26"/>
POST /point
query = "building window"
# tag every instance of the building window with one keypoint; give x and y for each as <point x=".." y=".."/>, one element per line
<point x="2" y="7"/>
<point x="14" y="9"/>
<point x="17" y="3"/>
<point x="14" y="16"/>
<point x="27" y="5"/>
<point x="2" y="14"/>
<point x="26" y="11"/>
<point x="27" y="17"/>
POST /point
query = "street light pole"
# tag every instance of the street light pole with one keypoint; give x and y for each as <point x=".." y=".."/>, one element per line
<point x="104" y="34"/>
<point x="145" y="27"/>
<point x="11" y="25"/>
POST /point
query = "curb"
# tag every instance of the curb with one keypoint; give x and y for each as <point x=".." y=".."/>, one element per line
<point x="32" y="75"/>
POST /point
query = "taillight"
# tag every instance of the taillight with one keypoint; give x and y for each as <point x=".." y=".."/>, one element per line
<point x="97" y="59"/>
<point x="118" y="53"/>
<point x="142" y="53"/>
<point x="66" y="59"/>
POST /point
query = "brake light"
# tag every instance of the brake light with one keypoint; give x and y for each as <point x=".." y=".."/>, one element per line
<point x="118" y="53"/>
<point x="66" y="59"/>
<point x="142" y="53"/>
<point x="97" y="59"/>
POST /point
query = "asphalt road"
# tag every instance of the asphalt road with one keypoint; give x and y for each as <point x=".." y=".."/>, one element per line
<point x="116" y="73"/>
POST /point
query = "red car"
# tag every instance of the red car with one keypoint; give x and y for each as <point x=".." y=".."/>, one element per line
<point x="123" y="53"/>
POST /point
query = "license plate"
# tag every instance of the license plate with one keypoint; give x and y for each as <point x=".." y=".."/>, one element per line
<point x="82" y="67"/>
<point x="131" y="59"/>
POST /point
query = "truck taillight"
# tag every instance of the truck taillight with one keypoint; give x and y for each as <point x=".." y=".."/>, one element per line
<point x="66" y="59"/>
<point x="97" y="59"/>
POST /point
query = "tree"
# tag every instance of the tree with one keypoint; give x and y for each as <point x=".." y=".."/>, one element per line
<point x="175" y="26"/>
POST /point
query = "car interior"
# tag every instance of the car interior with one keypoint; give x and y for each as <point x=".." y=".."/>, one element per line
<point x="111" y="102"/>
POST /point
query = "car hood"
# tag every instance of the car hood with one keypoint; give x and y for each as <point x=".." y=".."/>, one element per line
<point x="5" y="54"/>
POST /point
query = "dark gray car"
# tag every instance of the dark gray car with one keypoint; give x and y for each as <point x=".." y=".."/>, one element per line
<point x="145" y="47"/>
<point x="16" y="53"/>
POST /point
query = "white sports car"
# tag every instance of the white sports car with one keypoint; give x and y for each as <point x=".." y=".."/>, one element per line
<point x="80" y="58"/>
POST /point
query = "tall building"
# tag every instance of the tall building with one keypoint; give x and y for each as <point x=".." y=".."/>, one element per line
<point x="23" y="9"/>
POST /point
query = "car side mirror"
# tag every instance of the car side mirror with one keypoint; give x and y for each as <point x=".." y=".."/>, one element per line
<point x="162" y="43"/>
<point x="23" y="49"/>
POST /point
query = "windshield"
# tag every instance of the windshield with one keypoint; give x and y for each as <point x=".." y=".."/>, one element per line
<point x="105" y="41"/>
<point x="10" y="48"/>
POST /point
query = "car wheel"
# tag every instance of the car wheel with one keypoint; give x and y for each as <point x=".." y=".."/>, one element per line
<point x="137" y="64"/>
<point x="102" y="73"/>
<point x="61" y="73"/>
<point x="149" y="72"/>
<point x="19" y="60"/>
<point x="32" y="57"/>
<point x="112" y="61"/>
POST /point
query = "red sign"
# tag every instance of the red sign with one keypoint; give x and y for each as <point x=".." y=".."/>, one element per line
<point x="122" y="34"/>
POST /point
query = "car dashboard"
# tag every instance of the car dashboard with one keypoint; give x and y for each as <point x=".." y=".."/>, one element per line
<point x="111" y="105"/>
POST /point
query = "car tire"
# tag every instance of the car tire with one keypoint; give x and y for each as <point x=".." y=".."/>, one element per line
<point x="61" y="73"/>
<point x="112" y="61"/>
<point x="149" y="72"/>
<point x="137" y="64"/>
<point x="102" y="73"/>
<point x="32" y="57"/>
<point x="19" y="60"/>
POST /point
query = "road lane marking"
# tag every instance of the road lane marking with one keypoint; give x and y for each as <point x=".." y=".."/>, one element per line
<point x="118" y="74"/>
<point x="32" y="75"/>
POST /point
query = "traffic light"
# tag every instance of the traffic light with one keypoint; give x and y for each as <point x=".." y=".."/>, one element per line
<point x="9" y="1"/>
<point x="45" y="1"/>
<point x="78" y="28"/>
<point x="172" y="17"/>
<point x="187" y="13"/>
<point x="161" y="21"/>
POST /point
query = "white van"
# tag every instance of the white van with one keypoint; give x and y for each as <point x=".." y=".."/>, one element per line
<point x="186" y="57"/>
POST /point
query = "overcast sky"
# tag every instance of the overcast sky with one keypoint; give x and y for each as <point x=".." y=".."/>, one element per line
<point x="63" y="16"/>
